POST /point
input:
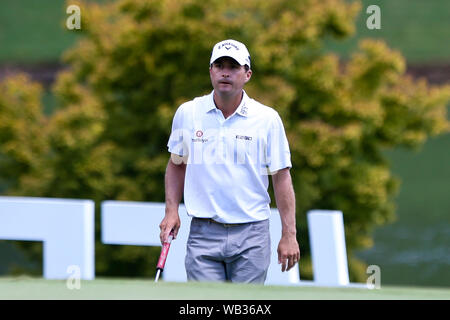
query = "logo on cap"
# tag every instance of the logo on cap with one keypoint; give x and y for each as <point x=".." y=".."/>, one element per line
<point x="227" y="46"/>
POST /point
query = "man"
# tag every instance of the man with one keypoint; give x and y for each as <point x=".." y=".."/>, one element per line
<point x="223" y="147"/>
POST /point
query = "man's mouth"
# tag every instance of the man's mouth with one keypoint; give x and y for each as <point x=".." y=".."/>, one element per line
<point x="225" y="82"/>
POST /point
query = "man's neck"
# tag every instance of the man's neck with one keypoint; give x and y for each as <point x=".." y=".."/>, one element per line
<point x="228" y="104"/>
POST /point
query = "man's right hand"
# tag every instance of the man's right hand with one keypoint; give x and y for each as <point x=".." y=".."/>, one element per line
<point x="170" y="222"/>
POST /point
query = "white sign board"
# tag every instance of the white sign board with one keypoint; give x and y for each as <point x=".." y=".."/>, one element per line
<point x="66" y="228"/>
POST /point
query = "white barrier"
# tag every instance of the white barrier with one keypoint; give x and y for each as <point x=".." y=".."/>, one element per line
<point x="328" y="252"/>
<point x="137" y="223"/>
<point x="66" y="228"/>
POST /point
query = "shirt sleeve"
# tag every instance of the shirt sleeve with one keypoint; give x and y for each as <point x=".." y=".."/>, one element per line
<point x="278" y="153"/>
<point x="177" y="140"/>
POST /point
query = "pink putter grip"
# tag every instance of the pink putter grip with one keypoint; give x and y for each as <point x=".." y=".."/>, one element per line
<point x="164" y="252"/>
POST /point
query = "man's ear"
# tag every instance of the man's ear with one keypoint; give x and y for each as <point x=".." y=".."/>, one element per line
<point x="210" y="71"/>
<point x="248" y="75"/>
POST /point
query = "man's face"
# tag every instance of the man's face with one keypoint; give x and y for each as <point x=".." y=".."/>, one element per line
<point x="228" y="77"/>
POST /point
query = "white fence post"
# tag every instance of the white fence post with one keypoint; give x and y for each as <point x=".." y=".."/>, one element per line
<point x="328" y="251"/>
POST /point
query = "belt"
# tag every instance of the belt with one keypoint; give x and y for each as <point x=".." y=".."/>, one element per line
<point x="226" y="225"/>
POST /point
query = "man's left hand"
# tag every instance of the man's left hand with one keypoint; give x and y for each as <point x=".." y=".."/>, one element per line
<point x="288" y="252"/>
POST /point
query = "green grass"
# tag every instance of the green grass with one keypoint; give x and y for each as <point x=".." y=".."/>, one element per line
<point x="414" y="249"/>
<point x="418" y="29"/>
<point x="37" y="288"/>
<point x="34" y="31"/>
<point x="425" y="181"/>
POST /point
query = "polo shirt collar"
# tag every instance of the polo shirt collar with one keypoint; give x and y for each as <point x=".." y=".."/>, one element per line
<point x="242" y="109"/>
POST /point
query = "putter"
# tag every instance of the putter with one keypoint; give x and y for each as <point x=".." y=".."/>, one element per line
<point x="163" y="256"/>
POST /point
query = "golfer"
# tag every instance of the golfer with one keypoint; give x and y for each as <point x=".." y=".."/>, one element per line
<point x="224" y="146"/>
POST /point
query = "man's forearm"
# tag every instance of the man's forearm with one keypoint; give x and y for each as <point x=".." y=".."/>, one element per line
<point x="288" y="248"/>
<point x="285" y="200"/>
<point x="174" y="185"/>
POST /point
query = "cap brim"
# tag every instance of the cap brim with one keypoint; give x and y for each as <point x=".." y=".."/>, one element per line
<point x="242" y="63"/>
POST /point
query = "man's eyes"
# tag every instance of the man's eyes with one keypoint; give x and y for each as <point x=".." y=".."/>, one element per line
<point x="221" y="66"/>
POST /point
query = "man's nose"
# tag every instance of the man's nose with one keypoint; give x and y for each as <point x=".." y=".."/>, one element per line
<point x="226" y="71"/>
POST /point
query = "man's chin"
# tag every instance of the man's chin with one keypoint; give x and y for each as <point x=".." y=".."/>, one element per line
<point x="224" y="91"/>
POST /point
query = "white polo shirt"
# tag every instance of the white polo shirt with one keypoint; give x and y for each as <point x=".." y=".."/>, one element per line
<point x="229" y="160"/>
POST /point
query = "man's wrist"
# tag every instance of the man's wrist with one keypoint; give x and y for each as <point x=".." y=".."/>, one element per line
<point x="289" y="233"/>
<point x="171" y="211"/>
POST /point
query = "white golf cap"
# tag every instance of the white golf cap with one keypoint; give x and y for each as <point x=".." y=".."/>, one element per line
<point x="233" y="49"/>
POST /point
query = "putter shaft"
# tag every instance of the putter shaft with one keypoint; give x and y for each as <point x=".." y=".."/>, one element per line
<point x="158" y="272"/>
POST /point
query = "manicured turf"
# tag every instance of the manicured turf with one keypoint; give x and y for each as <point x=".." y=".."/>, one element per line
<point x="35" y="31"/>
<point x="37" y="288"/>
<point x="417" y="28"/>
<point x="414" y="249"/>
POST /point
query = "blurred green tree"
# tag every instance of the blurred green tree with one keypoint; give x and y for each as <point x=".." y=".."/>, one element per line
<point x="139" y="60"/>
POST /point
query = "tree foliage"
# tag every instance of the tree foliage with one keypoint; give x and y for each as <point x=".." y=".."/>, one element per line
<point x="139" y="60"/>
